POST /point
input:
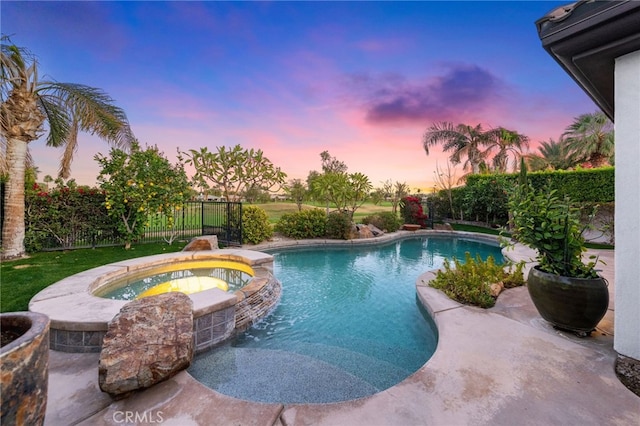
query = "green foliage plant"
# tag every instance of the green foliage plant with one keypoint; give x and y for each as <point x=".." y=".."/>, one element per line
<point x="385" y="221"/>
<point x="304" y="224"/>
<point x="255" y="225"/>
<point x="234" y="170"/>
<point x="338" y="225"/>
<point x="297" y="191"/>
<point x="581" y="185"/>
<point x="486" y="199"/>
<point x="347" y="191"/>
<point x="64" y="213"/>
<point x="469" y="282"/>
<point x="140" y="183"/>
<point x="551" y="226"/>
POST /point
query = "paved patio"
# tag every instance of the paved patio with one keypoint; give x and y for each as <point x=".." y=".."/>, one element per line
<point x="501" y="366"/>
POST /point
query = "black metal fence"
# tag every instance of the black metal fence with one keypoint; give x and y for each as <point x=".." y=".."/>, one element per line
<point x="223" y="219"/>
<point x="429" y="210"/>
<point x="195" y="218"/>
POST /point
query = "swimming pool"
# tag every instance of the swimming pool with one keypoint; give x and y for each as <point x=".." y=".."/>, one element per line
<point x="348" y="324"/>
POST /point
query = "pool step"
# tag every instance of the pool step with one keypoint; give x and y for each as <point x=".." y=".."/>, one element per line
<point x="275" y="376"/>
<point x="358" y="364"/>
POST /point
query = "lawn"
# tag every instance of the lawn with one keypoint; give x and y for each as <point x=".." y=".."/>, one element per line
<point x="21" y="279"/>
<point x="276" y="210"/>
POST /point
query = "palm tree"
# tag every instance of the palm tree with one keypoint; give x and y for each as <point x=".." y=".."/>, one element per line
<point x="26" y="103"/>
<point x="552" y="155"/>
<point x="590" y="138"/>
<point x="463" y="140"/>
<point x="506" y="142"/>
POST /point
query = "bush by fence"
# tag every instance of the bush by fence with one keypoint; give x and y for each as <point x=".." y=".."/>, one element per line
<point x="71" y="216"/>
<point x="483" y="198"/>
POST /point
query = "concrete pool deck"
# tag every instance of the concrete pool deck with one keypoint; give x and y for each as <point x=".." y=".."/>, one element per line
<point x="501" y="366"/>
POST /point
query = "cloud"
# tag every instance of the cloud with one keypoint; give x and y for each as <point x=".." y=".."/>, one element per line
<point x="460" y="90"/>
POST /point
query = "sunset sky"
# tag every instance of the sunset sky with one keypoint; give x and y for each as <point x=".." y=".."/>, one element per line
<point x="362" y="80"/>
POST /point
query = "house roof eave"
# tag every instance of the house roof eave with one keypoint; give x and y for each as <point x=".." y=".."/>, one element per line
<point x="586" y="37"/>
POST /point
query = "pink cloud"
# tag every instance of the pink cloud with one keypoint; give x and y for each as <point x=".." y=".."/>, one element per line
<point x="386" y="45"/>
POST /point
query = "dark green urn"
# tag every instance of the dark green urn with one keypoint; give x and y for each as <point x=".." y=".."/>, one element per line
<point x="574" y="304"/>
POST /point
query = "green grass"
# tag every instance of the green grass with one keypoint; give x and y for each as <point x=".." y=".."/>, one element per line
<point x="22" y="279"/>
<point x="276" y="210"/>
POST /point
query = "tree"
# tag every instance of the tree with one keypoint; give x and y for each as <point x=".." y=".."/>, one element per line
<point x="400" y="190"/>
<point x="590" y="138"/>
<point x="233" y="170"/>
<point x="394" y="192"/>
<point x="346" y="191"/>
<point x="377" y="196"/>
<point x="359" y="187"/>
<point x="551" y="154"/>
<point x="297" y="191"/>
<point x="506" y="142"/>
<point x="26" y="104"/>
<point x="463" y="141"/>
<point x="332" y="164"/>
<point x="140" y="184"/>
<point x="255" y="194"/>
<point x="445" y="180"/>
<point x="318" y="184"/>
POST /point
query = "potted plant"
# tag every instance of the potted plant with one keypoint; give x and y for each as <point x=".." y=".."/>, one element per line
<point x="566" y="290"/>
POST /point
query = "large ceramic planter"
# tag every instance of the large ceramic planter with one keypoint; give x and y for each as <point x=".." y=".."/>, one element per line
<point x="574" y="304"/>
<point x="24" y="363"/>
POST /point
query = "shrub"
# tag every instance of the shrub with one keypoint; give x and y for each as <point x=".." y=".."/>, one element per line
<point x="485" y="200"/>
<point x="470" y="282"/>
<point x="303" y="224"/>
<point x="338" y="225"/>
<point x="255" y="225"/>
<point x="411" y="211"/>
<point x="66" y="216"/>
<point x="386" y="221"/>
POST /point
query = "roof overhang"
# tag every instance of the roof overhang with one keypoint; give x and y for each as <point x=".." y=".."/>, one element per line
<point x="585" y="37"/>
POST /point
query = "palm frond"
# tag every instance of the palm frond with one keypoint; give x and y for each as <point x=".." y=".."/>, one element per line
<point x="58" y="119"/>
<point x="94" y="110"/>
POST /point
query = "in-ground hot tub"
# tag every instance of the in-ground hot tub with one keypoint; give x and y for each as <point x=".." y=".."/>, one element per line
<point x="80" y="316"/>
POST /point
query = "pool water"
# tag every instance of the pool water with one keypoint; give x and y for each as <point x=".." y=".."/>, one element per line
<point x="348" y="325"/>
<point x="179" y="276"/>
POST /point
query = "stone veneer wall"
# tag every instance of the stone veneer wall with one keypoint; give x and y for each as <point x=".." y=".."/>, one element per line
<point x="255" y="300"/>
